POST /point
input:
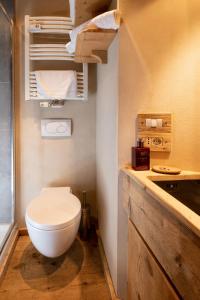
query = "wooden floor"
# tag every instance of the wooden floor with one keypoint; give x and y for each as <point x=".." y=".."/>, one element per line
<point x="76" y="275"/>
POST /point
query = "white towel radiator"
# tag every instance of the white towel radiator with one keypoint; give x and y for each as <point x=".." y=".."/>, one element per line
<point x="44" y="27"/>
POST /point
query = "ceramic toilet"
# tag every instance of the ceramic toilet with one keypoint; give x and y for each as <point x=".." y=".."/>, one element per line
<point x="53" y="220"/>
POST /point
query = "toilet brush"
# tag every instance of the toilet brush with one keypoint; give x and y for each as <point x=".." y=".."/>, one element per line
<point x="85" y="218"/>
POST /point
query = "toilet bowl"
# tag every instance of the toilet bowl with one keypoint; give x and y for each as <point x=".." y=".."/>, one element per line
<point x="53" y="220"/>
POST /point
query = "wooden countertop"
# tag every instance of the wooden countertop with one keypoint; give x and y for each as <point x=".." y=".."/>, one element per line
<point x="182" y="212"/>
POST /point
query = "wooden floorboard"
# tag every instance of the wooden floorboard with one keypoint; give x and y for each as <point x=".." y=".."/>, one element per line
<point x="78" y="274"/>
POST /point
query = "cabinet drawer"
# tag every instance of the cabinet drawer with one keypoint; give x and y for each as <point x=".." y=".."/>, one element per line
<point x="176" y="247"/>
<point x="146" y="280"/>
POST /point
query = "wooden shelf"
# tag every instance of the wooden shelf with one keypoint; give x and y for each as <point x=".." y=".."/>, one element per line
<point x="92" y="45"/>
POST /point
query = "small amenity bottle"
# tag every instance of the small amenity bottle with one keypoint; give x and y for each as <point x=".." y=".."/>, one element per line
<point x="140" y="157"/>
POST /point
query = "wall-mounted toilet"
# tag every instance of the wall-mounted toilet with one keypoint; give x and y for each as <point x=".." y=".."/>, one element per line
<point x="53" y="220"/>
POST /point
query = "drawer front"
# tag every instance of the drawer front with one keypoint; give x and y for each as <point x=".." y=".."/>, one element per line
<point x="175" y="246"/>
<point x="146" y="280"/>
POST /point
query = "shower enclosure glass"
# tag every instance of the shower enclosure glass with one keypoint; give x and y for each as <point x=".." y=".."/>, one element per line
<point x="6" y="123"/>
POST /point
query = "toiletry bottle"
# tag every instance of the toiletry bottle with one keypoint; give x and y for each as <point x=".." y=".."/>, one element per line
<point x="140" y="157"/>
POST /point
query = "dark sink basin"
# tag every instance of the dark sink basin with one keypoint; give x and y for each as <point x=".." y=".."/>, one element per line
<point x="186" y="191"/>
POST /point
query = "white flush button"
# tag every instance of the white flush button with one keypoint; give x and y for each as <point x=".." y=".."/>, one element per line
<point x="56" y="127"/>
<point x="61" y="129"/>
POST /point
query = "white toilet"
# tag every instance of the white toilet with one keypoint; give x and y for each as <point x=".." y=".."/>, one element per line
<point x="53" y="220"/>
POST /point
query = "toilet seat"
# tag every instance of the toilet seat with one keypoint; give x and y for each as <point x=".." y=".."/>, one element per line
<point x="53" y="209"/>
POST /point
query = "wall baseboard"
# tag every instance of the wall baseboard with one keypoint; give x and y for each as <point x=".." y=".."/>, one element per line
<point x="106" y="269"/>
<point x="8" y="251"/>
<point x="9" y="248"/>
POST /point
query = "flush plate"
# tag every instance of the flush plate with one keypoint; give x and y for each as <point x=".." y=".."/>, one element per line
<point x="156" y="138"/>
<point x="56" y="127"/>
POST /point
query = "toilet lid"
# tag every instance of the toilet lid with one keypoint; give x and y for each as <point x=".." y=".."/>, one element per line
<point x="53" y="210"/>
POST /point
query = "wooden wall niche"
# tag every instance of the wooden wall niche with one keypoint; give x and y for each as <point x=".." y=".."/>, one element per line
<point x="88" y="9"/>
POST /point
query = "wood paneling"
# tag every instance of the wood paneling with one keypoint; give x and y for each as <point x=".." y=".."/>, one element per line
<point x="146" y="280"/>
<point x="166" y="127"/>
<point x="157" y="138"/>
<point x="176" y="247"/>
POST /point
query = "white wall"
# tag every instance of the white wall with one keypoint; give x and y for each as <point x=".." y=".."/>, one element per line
<point x="51" y="162"/>
<point x="107" y="156"/>
<point x="159" y="61"/>
<point x="160" y="72"/>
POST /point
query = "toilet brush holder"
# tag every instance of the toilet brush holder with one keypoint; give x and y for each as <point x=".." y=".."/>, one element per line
<point x="85" y="219"/>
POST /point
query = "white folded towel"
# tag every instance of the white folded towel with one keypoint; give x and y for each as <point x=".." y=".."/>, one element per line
<point x="71" y="46"/>
<point x="56" y="85"/>
<point x="107" y="20"/>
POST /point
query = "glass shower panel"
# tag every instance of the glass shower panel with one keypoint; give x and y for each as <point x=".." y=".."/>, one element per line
<point x="6" y="131"/>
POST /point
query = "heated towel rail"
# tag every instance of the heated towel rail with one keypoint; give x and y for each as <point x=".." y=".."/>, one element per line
<point x="49" y="25"/>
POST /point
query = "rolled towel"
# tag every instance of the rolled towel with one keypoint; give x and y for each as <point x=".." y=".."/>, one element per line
<point x="107" y="20"/>
<point x="71" y="46"/>
<point x="56" y="85"/>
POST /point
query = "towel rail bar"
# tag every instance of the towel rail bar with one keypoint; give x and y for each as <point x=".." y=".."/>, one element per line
<point x="51" y="18"/>
<point x="34" y="93"/>
<point x="48" y="25"/>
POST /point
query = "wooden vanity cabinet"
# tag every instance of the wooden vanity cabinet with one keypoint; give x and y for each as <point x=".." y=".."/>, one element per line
<point x="159" y="244"/>
<point x="146" y="280"/>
